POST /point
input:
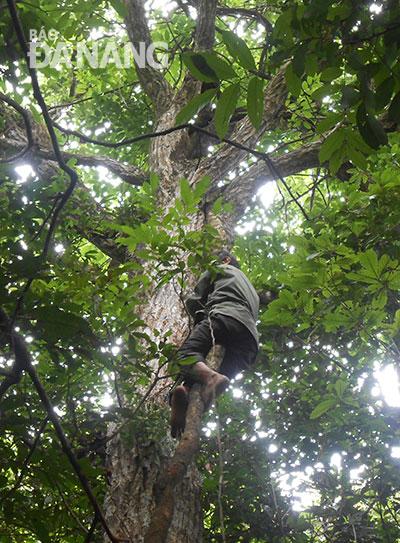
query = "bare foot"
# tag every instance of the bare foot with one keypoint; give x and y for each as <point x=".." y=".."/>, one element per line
<point x="216" y="384"/>
<point x="179" y="404"/>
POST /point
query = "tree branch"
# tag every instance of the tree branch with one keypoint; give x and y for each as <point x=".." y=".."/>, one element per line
<point x="169" y="478"/>
<point x="28" y="128"/>
<point x="243" y="187"/>
<point x="20" y="350"/>
<point x="126" y="172"/>
<point x="153" y="82"/>
<point x="33" y="446"/>
<point x="205" y="27"/>
<point x="220" y="163"/>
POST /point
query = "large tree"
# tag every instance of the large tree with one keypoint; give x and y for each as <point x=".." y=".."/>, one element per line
<point x="138" y="172"/>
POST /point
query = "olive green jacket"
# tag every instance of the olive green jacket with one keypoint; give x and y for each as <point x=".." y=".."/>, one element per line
<point x="230" y="293"/>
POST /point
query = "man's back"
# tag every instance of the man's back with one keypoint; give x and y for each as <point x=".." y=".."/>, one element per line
<point x="230" y="294"/>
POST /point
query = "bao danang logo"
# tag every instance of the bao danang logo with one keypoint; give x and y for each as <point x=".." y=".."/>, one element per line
<point x="97" y="55"/>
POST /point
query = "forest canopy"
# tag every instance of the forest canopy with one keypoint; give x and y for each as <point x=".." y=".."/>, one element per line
<point x="135" y="139"/>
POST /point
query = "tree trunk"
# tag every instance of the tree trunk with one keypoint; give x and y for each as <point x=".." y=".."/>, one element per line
<point x="133" y="471"/>
<point x="130" y="499"/>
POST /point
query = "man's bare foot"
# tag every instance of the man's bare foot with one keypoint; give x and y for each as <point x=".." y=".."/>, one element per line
<point x="216" y="384"/>
<point x="179" y="405"/>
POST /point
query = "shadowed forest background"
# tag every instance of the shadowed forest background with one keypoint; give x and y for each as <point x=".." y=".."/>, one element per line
<point x="271" y="129"/>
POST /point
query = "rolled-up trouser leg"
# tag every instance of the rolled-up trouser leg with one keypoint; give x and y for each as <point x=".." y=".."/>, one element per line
<point x="198" y="345"/>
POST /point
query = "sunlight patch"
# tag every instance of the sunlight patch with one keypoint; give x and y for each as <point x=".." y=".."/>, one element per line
<point x="388" y="384"/>
<point x="24" y="172"/>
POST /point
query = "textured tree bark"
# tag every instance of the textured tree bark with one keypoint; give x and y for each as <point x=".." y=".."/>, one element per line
<point x="133" y="476"/>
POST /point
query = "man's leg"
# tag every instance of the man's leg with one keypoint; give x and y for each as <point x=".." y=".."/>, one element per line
<point x="198" y="344"/>
<point x="240" y="347"/>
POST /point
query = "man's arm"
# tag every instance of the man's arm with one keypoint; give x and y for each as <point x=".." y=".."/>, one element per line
<point x="198" y="299"/>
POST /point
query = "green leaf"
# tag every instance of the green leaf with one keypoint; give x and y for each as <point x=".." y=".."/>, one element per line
<point x="186" y="192"/>
<point x="29" y="266"/>
<point x="394" y="109"/>
<point x="299" y="60"/>
<point x="370" y="128"/>
<point x="350" y="96"/>
<point x="119" y="7"/>
<point x="225" y="108"/>
<point x="194" y="106"/>
<point x="217" y="207"/>
<point x="57" y="323"/>
<point x="369" y="262"/>
<point x="323" y="91"/>
<point x="384" y="93"/>
<point x="220" y="66"/>
<point x="188" y="361"/>
<point x="201" y="187"/>
<point x="282" y="27"/>
<point x="329" y="122"/>
<point x="238" y="49"/>
<point x="255" y="101"/>
<point x="337" y="159"/>
<point x="356" y="157"/>
<point x="340" y="387"/>
<point x="199" y="68"/>
<point x="154" y="181"/>
<point x="41" y="531"/>
<point x="322" y="408"/>
<point x="293" y="82"/>
<point x="331" y="73"/>
<point x="287" y="298"/>
<point x="333" y="142"/>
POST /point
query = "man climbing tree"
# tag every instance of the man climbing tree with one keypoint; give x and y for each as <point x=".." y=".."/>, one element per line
<point x="225" y="310"/>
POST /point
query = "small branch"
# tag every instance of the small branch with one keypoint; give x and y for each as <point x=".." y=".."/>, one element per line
<point x="70" y="510"/>
<point x="21" y="353"/>
<point x="250" y="13"/>
<point x="69" y="104"/>
<point x="91" y="529"/>
<point x="26" y="462"/>
<point x="221" y="481"/>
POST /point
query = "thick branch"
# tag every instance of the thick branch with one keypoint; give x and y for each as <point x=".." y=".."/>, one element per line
<point x="153" y="82"/>
<point x="126" y="172"/>
<point x="27" y="122"/>
<point x="169" y="478"/>
<point x="205" y="28"/>
<point x="224" y="160"/>
<point x="244" y="186"/>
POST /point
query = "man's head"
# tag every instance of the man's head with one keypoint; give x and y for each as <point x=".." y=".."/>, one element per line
<point x="227" y="258"/>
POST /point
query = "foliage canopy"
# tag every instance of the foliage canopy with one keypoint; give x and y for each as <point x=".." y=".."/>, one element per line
<point x="326" y="249"/>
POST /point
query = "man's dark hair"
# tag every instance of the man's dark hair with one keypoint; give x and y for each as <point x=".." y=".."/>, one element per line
<point x="222" y="255"/>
